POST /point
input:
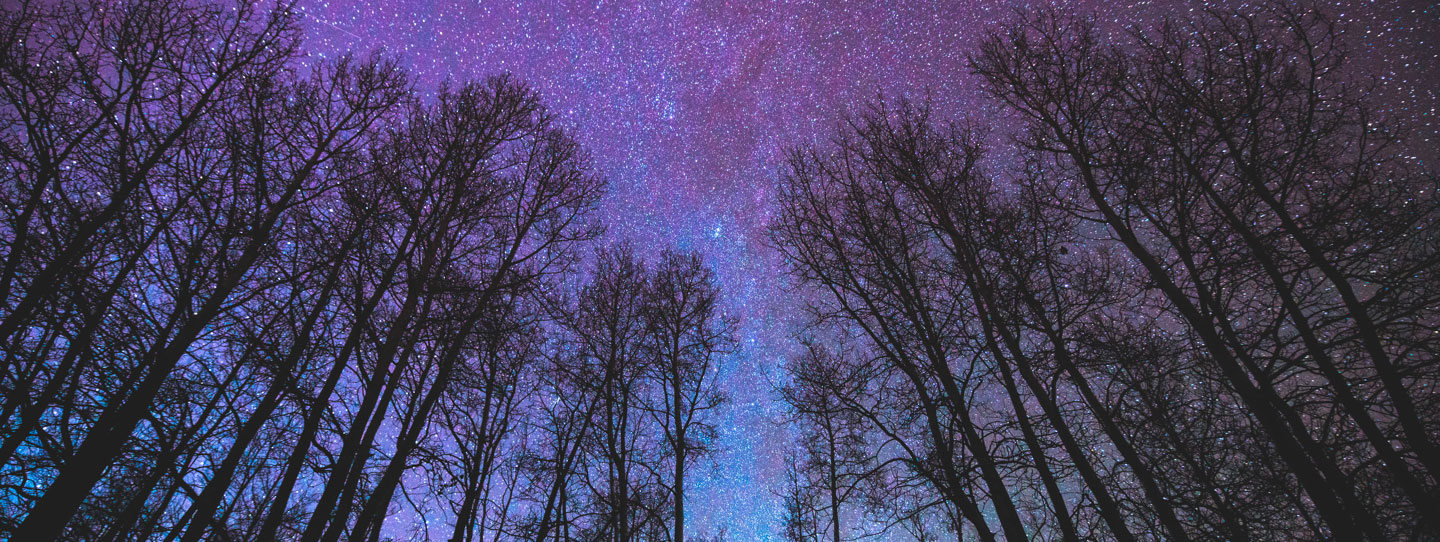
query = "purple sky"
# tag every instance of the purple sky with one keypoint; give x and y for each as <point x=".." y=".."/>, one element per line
<point x="685" y="107"/>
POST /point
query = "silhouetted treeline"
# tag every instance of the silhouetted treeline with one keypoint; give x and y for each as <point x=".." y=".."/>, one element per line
<point x="1195" y="299"/>
<point x="245" y="301"/>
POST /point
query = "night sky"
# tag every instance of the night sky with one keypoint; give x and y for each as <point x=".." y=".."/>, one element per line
<point x="686" y="106"/>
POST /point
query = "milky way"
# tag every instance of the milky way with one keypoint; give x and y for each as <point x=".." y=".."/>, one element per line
<point x="686" y="107"/>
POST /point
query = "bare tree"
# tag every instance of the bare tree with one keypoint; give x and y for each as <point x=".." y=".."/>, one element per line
<point x="689" y="335"/>
<point x="195" y="222"/>
<point x="1230" y="155"/>
<point x="610" y="326"/>
<point x="222" y="280"/>
<point x="802" y="521"/>
<point x="838" y="459"/>
<point x="1146" y="300"/>
<point x="844" y="230"/>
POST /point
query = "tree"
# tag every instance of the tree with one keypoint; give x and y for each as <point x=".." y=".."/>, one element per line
<point x="226" y="284"/>
<point x="1162" y="299"/>
<point x="1229" y="155"/>
<point x="837" y="457"/>
<point x="189" y="224"/>
<point x="610" y="328"/>
<point x="802" y="522"/>
<point x="689" y="336"/>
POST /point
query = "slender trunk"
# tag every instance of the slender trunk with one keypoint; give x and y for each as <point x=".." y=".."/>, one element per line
<point x="998" y="493"/>
<point x="1290" y="450"/>
<point x="105" y="442"/>
<point x="952" y="486"/>
<point x="353" y="474"/>
<point x="989" y="324"/>
<point x="556" y="498"/>
<point x="1042" y="464"/>
<point x="1390" y="378"/>
<point x="296" y="461"/>
<point x="340" y="480"/>
<point x="476" y="474"/>
<point x="832" y="481"/>
<point x="1398" y="466"/>
<point x="167" y="462"/>
<point x="215" y="489"/>
<point x="678" y="419"/>
<point x="986" y="306"/>
<point x="496" y="435"/>
<point x="680" y="500"/>
<point x="371" y="516"/>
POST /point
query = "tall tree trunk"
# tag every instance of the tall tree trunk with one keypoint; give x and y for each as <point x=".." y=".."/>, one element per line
<point x="354" y="447"/>
<point x="295" y="463"/>
<point x="678" y="419"/>
<point x="214" y="491"/>
<point x="1291" y="451"/>
<point x="106" y="440"/>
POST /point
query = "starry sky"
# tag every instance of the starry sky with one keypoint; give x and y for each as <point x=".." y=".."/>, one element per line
<point x="686" y="107"/>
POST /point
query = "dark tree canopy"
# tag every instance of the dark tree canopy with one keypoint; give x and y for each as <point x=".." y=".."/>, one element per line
<point x="240" y="303"/>
<point x="1198" y="303"/>
<point x="1190" y="295"/>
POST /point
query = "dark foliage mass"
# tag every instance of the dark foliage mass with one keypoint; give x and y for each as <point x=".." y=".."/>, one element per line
<point x="247" y="298"/>
<point x="1195" y="299"/>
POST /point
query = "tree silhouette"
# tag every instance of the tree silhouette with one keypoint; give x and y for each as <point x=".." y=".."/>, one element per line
<point x="1166" y="304"/>
<point x="1188" y="292"/>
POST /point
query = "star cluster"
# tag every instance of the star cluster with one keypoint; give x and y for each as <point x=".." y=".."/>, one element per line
<point x="686" y="108"/>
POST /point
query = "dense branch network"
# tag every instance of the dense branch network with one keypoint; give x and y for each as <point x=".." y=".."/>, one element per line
<point x="1192" y="297"/>
<point x="1196" y="299"/>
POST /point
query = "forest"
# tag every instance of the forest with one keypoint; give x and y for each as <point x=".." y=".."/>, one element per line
<point x="1190" y="291"/>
